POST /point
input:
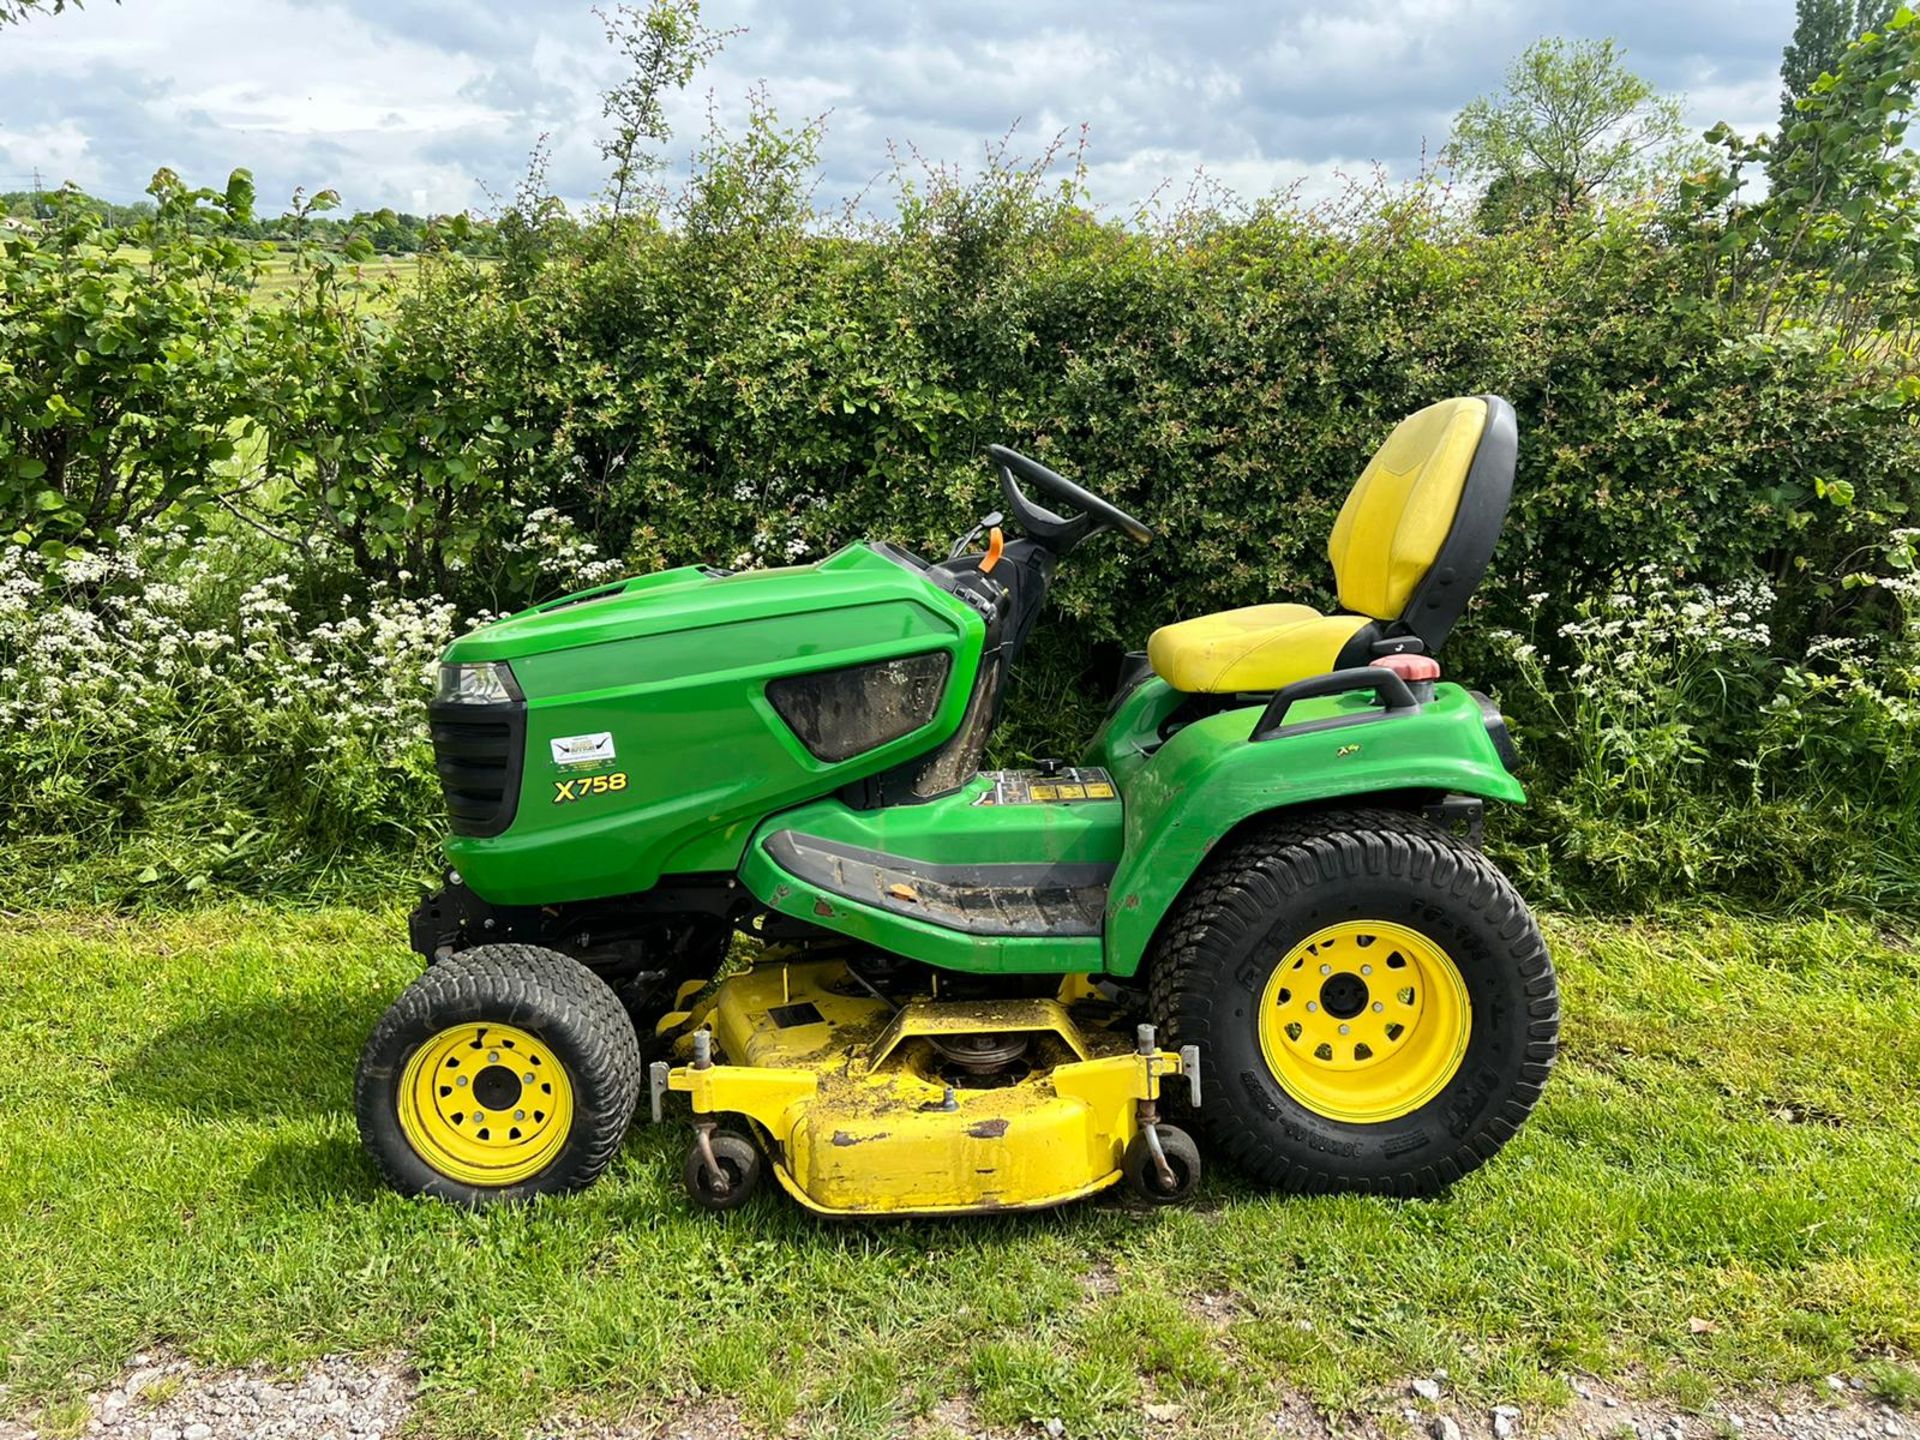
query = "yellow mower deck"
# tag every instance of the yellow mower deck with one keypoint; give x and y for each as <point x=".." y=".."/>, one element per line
<point x="862" y="1115"/>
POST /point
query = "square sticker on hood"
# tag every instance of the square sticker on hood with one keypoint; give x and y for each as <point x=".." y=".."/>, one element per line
<point x="593" y="749"/>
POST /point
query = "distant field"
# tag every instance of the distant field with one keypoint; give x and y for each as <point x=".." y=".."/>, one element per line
<point x="281" y="278"/>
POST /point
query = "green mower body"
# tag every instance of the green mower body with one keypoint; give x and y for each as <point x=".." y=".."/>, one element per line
<point x="969" y="986"/>
<point x="692" y="724"/>
<point x="676" y="669"/>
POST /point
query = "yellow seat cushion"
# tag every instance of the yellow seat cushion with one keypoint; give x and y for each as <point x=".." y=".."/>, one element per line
<point x="1390" y="531"/>
<point x="1400" y="509"/>
<point x="1261" y="647"/>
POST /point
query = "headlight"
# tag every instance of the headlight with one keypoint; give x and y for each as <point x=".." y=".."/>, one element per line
<point x="476" y="685"/>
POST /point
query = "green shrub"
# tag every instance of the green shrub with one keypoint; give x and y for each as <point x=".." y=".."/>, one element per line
<point x="1680" y="756"/>
<point x="732" y="382"/>
<point x="126" y="364"/>
<point x="741" y="399"/>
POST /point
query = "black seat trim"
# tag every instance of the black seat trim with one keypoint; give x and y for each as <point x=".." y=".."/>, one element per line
<point x="1441" y="597"/>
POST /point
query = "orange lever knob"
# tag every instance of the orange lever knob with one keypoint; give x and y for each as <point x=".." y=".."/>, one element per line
<point x="996" y="544"/>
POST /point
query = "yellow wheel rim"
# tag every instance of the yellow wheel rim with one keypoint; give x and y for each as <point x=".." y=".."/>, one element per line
<point x="486" y="1104"/>
<point x="1365" y="1021"/>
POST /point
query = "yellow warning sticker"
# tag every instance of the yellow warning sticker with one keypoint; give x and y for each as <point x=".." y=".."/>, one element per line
<point x="1030" y="787"/>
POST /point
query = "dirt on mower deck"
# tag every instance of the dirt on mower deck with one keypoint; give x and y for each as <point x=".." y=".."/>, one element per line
<point x="339" y="1397"/>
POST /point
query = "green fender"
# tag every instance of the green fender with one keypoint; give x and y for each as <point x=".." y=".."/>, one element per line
<point x="1184" y="796"/>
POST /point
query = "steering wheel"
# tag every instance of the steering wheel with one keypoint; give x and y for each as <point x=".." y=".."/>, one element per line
<point x="1059" y="533"/>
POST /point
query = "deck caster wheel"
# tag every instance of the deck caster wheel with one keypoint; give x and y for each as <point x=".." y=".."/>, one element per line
<point x="722" y="1170"/>
<point x="1168" y="1177"/>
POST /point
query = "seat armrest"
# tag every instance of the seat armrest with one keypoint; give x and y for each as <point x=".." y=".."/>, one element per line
<point x="1396" y="698"/>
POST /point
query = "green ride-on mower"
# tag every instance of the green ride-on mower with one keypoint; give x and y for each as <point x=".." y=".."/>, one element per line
<point x="968" y="990"/>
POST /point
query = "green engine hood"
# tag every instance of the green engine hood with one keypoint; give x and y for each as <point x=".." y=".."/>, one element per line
<point x="694" y="597"/>
<point x="667" y="677"/>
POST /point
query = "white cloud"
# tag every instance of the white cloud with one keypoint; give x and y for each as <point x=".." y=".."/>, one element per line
<point x="55" y="152"/>
<point x="384" y="99"/>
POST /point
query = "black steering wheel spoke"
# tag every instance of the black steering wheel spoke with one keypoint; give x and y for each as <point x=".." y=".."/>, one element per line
<point x="1057" y="532"/>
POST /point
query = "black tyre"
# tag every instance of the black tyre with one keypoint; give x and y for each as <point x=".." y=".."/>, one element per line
<point x="1143" y="1177"/>
<point x="739" y="1161"/>
<point x="1372" y="999"/>
<point x="504" y="1072"/>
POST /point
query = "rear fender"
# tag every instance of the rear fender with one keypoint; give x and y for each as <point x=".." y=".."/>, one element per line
<point x="1210" y="777"/>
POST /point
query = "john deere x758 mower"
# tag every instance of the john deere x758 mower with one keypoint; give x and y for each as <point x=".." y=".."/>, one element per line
<point x="978" y="990"/>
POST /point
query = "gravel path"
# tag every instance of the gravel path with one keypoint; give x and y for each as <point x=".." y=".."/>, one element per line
<point x="341" y="1398"/>
<point x="1840" y="1410"/>
<point x="166" y="1398"/>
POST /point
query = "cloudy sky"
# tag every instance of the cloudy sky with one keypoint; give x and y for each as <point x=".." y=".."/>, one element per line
<point x="427" y="104"/>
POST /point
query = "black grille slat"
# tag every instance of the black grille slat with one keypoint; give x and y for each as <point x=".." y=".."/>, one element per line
<point x="475" y="778"/>
<point x="456" y="746"/>
<point x="486" y="738"/>
<point x="474" y="791"/>
<point x="468" y="814"/>
<point x="478" y="752"/>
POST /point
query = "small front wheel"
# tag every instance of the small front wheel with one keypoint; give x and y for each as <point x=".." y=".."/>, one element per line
<point x="1168" y="1177"/>
<point x="504" y="1072"/>
<point x="722" y="1170"/>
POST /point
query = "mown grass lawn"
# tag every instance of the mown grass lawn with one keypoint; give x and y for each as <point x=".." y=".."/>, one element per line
<point x="1733" y="1137"/>
<point x="279" y="279"/>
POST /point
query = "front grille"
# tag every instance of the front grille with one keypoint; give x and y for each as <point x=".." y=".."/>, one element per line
<point x="477" y="750"/>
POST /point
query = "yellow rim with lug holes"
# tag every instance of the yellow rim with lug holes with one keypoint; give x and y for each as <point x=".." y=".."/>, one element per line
<point x="1365" y="1021"/>
<point x="486" y="1104"/>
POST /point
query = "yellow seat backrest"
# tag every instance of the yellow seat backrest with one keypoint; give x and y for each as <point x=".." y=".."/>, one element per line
<point x="1402" y="507"/>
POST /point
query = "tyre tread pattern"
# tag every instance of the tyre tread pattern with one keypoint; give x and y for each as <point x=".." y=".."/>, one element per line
<point x="1255" y="877"/>
<point x="533" y="988"/>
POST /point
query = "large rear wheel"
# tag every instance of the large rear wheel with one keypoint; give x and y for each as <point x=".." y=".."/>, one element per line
<point x="1373" y="1000"/>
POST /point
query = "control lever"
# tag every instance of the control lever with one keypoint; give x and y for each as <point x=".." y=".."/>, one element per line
<point x="988" y="522"/>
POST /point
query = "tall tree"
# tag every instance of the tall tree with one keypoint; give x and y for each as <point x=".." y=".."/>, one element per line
<point x="1833" y="240"/>
<point x="1822" y="31"/>
<point x="1573" y="127"/>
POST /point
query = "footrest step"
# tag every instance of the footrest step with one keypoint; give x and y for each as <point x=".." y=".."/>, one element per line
<point x="1011" y="899"/>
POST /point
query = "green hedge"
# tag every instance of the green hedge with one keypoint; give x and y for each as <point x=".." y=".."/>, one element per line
<point x="742" y="387"/>
<point x="682" y="398"/>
